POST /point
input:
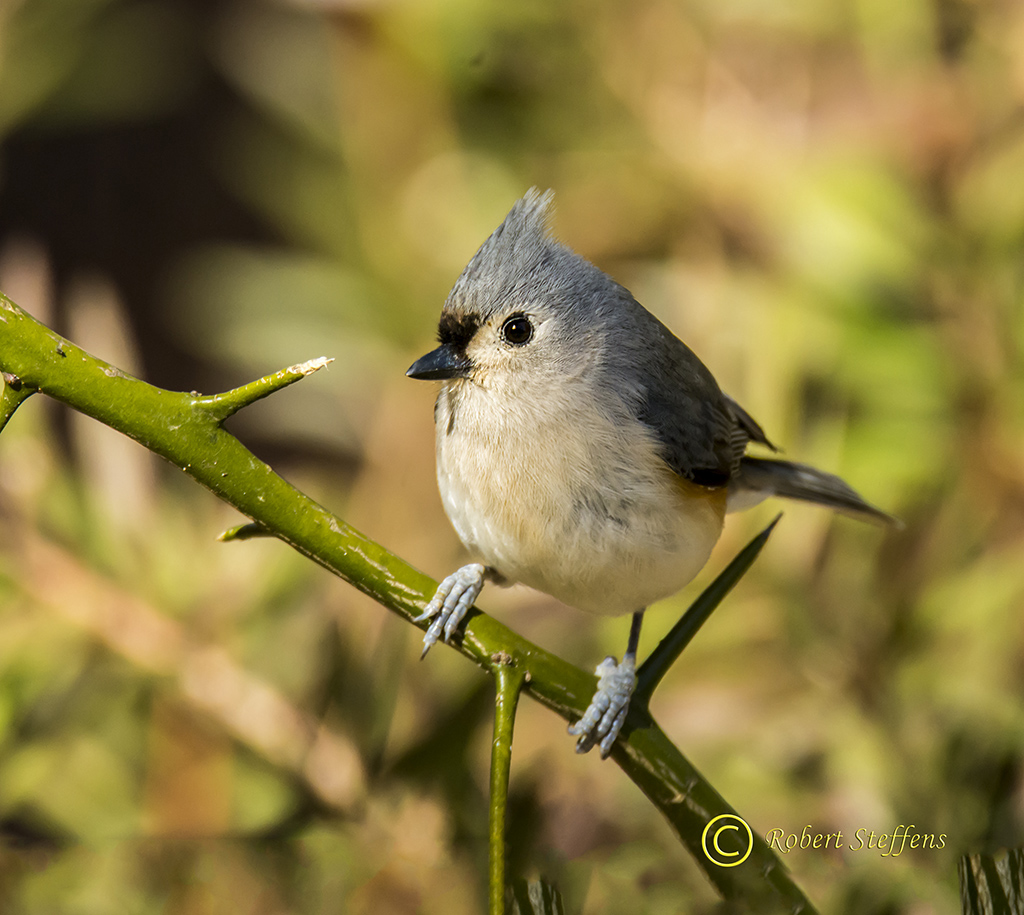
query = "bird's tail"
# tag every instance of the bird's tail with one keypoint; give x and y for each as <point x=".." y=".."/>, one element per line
<point x="759" y="478"/>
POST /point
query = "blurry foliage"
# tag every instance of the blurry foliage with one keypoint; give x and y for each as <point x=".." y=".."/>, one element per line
<point x="823" y="199"/>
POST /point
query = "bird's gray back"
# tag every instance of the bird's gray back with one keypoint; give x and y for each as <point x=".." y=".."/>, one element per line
<point x="677" y="397"/>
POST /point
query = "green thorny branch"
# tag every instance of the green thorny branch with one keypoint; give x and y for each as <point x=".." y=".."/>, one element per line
<point x="187" y="430"/>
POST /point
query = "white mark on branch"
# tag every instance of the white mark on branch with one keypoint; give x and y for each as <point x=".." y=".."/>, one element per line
<point x="313" y="365"/>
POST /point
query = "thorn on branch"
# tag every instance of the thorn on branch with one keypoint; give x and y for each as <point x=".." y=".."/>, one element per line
<point x="245" y="532"/>
<point x="13" y="393"/>
<point x="221" y="406"/>
<point x="650" y="673"/>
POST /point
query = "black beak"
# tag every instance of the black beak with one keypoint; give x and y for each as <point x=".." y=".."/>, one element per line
<point x="444" y="362"/>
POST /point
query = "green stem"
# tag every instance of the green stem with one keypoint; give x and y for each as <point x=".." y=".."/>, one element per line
<point x="509" y="681"/>
<point x="689" y="803"/>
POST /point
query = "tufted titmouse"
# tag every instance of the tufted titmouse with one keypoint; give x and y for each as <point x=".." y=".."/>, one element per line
<point x="582" y="449"/>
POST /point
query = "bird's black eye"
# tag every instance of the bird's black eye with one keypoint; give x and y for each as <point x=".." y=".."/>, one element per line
<point x="517" y="330"/>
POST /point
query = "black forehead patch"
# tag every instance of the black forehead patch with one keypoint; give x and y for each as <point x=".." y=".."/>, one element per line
<point x="457" y="330"/>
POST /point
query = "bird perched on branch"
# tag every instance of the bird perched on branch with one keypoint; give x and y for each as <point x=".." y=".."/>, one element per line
<point x="582" y="449"/>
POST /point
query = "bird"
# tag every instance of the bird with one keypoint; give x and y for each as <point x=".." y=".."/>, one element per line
<point x="582" y="449"/>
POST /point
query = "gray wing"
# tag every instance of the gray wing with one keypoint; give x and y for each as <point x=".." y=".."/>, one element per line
<point x="703" y="433"/>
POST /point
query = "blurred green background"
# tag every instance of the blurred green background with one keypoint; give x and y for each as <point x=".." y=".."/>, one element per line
<point x="824" y="199"/>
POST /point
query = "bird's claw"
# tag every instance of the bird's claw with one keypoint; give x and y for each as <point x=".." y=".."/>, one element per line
<point x="451" y="602"/>
<point x="606" y="713"/>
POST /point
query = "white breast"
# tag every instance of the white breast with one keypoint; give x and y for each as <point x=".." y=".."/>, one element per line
<point x="564" y="501"/>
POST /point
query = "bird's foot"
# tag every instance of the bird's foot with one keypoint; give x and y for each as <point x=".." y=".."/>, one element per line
<point x="603" y="720"/>
<point x="451" y="602"/>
